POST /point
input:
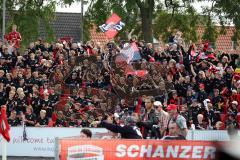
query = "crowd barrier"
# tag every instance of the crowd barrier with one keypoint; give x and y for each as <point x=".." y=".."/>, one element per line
<point x="41" y="141"/>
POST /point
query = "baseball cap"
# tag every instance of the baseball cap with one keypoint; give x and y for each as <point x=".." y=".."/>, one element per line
<point x="157" y="103"/>
<point x="207" y="100"/>
<point x="130" y="120"/>
<point x="235" y="102"/>
<point x="171" y="107"/>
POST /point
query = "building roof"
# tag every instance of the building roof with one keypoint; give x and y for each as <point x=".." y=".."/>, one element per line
<point x="64" y="25"/>
<point x="223" y="42"/>
<point x="98" y="36"/>
<point x="68" y="25"/>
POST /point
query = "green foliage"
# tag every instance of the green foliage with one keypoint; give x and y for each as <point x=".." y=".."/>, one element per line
<point x="100" y="10"/>
<point x="186" y="22"/>
<point x="210" y="33"/>
<point x="28" y="17"/>
<point x="167" y="16"/>
<point x="170" y="15"/>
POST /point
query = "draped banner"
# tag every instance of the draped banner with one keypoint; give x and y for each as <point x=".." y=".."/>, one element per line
<point x="78" y="149"/>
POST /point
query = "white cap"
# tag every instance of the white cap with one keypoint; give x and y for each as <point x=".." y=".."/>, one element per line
<point x="235" y="102"/>
<point x="207" y="100"/>
<point x="116" y="115"/>
<point x="157" y="103"/>
<point x="126" y="45"/>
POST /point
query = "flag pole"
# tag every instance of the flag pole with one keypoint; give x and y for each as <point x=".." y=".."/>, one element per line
<point x="3" y="19"/>
<point x="4" y="149"/>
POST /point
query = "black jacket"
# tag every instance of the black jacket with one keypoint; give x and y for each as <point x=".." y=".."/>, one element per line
<point x="180" y="137"/>
<point x="148" y="123"/>
<point x="127" y="132"/>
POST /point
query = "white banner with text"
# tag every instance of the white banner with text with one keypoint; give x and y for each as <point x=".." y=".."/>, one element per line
<point x="40" y="141"/>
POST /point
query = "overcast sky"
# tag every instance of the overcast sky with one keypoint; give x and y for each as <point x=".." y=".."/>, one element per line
<point x="76" y="7"/>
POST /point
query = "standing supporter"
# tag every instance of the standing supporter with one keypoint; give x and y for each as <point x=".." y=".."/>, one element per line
<point x="42" y="120"/>
<point x="174" y="132"/>
<point x="60" y="122"/>
<point x="13" y="120"/>
<point x="176" y="117"/>
<point x="148" y="118"/>
<point x="14" y="37"/>
<point x="162" y="116"/>
<point x="30" y="117"/>
<point x="47" y="104"/>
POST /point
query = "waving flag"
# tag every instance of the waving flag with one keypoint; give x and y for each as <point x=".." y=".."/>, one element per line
<point x="139" y="73"/>
<point x="4" y="126"/>
<point x="112" y="26"/>
<point x="131" y="53"/>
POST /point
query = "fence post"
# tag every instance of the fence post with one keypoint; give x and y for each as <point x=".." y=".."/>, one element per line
<point x="56" y="151"/>
<point x="192" y="135"/>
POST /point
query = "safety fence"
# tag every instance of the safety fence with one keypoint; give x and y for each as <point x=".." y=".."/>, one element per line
<point x="41" y="141"/>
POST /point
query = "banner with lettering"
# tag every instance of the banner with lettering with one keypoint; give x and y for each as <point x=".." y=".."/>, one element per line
<point x="112" y="26"/>
<point x="79" y="149"/>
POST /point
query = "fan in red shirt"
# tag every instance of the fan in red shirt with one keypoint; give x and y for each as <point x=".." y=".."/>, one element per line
<point x="14" y="37"/>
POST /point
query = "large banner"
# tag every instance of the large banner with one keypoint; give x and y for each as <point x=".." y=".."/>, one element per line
<point x="40" y="141"/>
<point x="78" y="149"/>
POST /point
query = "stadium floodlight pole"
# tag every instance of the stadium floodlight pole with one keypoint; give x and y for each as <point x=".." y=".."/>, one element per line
<point x="82" y="23"/>
<point x="3" y="19"/>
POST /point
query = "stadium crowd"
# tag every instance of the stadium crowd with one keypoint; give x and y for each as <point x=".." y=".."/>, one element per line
<point x="181" y="87"/>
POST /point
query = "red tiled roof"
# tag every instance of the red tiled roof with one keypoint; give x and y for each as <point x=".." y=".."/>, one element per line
<point x="97" y="36"/>
<point x="223" y="43"/>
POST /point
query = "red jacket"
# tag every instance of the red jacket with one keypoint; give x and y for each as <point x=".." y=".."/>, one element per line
<point x="14" y="37"/>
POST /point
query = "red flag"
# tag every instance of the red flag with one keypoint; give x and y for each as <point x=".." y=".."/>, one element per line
<point x="139" y="73"/>
<point x="112" y="26"/>
<point x="4" y="126"/>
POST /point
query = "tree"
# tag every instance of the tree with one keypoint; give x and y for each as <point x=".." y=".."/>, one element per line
<point x="228" y="11"/>
<point x="186" y="21"/>
<point x="146" y="11"/>
<point x="142" y="17"/>
<point x="143" y="12"/>
<point x="100" y="10"/>
<point x="28" y="14"/>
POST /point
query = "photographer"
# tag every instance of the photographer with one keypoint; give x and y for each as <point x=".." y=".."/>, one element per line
<point x="128" y="131"/>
